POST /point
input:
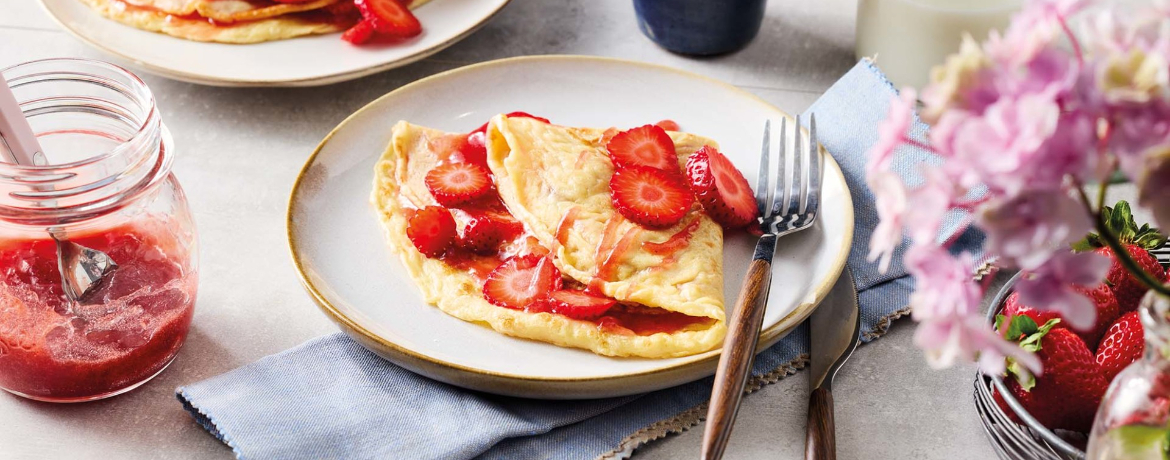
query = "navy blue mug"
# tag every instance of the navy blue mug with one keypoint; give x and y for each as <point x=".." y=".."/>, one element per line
<point x="700" y="27"/>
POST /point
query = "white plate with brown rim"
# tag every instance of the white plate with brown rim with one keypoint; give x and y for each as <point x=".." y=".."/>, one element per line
<point x="303" y="61"/>
<point x="339" y="250"/>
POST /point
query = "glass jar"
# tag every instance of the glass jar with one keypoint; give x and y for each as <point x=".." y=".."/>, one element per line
<point x="106" y="185"/>
<point x="1132" y="422"/>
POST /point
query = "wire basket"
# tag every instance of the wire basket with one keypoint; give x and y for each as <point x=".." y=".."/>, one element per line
<point x="1013" y="441"/>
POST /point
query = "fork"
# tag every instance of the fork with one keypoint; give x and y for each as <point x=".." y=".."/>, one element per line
<point x="788" y="208"/>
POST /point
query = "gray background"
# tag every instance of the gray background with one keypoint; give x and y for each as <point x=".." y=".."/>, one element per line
<point x="240" y="149"/>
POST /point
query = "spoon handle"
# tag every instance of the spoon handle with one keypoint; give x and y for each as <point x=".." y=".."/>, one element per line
<point x="23" y="148"/>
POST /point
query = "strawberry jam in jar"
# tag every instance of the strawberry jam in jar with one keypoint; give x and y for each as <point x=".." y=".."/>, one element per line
<point x="105" y="183"/>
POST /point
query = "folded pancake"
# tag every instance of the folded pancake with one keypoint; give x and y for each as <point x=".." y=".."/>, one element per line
<point x="668" y="281"/>
<point x="231" y="21"/>
<point x="228" y="11"/>
<point x="555" y="179"/>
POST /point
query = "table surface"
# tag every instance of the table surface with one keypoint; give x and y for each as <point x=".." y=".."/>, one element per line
<point x="240" y="150"/>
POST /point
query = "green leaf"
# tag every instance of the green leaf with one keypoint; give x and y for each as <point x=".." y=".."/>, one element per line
<point x="1119" y="222"/>
<point x="1150" y="240"/>
<point x="1034" y="334"/>
<point x="1021" y="326"/>
<point x="1166" y="446"/>
<point x="1137" y="440"/>
<point x="1025" y="378"/>
<point x="1107" y="216"/>
<point x="1090" y="242"/>
<point x="1024" y="326"/>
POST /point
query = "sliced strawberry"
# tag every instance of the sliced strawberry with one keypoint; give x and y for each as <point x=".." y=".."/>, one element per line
<point x="432" y="230"/>
<point x="521" y="282"/>
<point x="453" y="184"/>
<point x="579" y="304"/>
<point x="483" y="127"/>
<point x="390" y="17"/>
<point x="648" y="146"/>
<point x="486" y="231"/>
<point x="668" y="125"/>
<point x="359" y="33"/>
<point x="650" y="197"/>
<point x="721" y="188"/>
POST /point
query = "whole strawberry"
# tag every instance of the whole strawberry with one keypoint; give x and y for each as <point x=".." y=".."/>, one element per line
<point x="1102" y="298"/>
<point x="1066" y="394"/>
<point x="1123" y="344"/>
<point x="1126" y="287"/>
<point x="1137" y="241"/>
<point x="1107" y="312"/>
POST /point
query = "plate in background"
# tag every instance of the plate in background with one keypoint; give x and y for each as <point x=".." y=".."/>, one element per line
<point x="303" y="61"/>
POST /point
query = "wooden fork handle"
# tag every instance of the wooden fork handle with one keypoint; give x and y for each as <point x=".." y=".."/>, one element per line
<point x="738" y="352"/>
<point x="821" y="442"/>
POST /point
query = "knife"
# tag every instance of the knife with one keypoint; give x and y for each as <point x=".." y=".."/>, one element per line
<point x="833" y="329"/>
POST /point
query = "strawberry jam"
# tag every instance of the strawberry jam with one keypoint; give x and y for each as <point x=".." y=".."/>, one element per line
<point x="54" y="349"/>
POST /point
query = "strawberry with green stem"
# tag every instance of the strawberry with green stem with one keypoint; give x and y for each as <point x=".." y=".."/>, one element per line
<point x="1066" y="394"/>
<point x="1120" y="230"/>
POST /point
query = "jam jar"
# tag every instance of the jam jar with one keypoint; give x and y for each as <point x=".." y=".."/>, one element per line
<point x="104" y="183"/>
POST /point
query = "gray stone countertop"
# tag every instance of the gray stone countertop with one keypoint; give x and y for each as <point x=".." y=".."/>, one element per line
<point x="240" y="150"/>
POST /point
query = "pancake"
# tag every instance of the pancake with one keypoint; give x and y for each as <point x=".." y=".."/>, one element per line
<point x="230" y="21"/>
<point x="229" y="11"/>
<point x="545" y="171"/>
<point x="670" y="299"/>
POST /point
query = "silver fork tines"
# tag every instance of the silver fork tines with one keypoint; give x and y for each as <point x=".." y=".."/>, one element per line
<point x="763" y="192"/>
<point x="796" y="197"/>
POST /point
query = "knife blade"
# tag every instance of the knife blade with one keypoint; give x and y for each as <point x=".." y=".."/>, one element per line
<point x="833" y="331"/>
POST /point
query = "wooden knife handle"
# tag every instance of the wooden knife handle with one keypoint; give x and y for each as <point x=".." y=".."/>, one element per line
<point x="821" y="442"/>
<point x="738" y="351"/>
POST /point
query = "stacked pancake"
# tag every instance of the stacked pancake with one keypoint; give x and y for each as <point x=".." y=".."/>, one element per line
<point x="233" y="21"/>
<point x="667" y="282"/>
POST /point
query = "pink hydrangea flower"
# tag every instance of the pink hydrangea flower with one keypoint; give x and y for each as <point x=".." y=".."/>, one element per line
<point x="1026" y="117"/>
<point x="890" y="200"/>
<point x="928" y="204"/>
<point x="1028" y="229"/>
<point x="1154" y="184"/>
<point x="1002" y="145"/>
<point x="1050" y="286"/>
<point x="891" y="132"/>
<point x="946" y="306"/>
<point x="948" y="340"/>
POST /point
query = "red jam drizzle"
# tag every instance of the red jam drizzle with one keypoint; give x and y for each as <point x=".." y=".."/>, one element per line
<point x="605" y="271"/>
<point x="608" y="239"/>
<point x="566" y="224"/>
<point x="675" y="243"/>
<point x="639" y="320"/>
<point x="56" y="349"/>
<point x="585" y="154"/>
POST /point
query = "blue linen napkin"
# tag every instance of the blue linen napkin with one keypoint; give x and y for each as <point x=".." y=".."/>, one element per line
<point x="331" y="398"/>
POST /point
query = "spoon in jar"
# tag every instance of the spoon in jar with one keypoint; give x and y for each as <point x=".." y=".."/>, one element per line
<point x="82" y="269"/>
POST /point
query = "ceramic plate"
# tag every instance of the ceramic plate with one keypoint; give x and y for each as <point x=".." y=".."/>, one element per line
<point x="338" y="246"/>
<point x="305" y="61"/>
